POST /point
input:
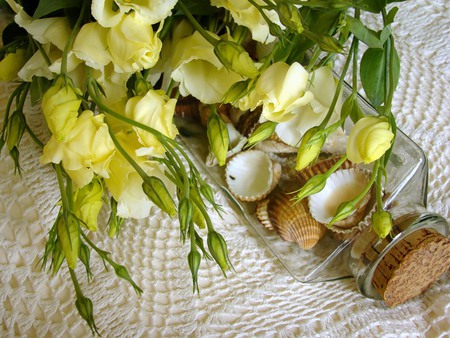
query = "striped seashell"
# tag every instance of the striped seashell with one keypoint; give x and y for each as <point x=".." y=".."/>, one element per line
<point x="292" y="222"/>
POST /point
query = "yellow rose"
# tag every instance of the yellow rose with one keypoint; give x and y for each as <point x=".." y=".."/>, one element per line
<point x="282" y="89"/>
<point x="91" y="45"/>
<point x="87" y="149"/>
<point x="245" y="14"/>
<point x="11" y="64"/>
<point x="322" y="85"/>
<point x="155" y="110"/>
<point x="125" y="184"/>
<point x="133" y="44"/>
<point x="369" y="139"/>
<point x="152" y="11"/>
<point x="194" y="64"/>
<point x="60" y="106"/>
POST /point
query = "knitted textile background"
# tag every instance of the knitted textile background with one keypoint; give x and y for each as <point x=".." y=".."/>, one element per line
<point x="259" y="298"/>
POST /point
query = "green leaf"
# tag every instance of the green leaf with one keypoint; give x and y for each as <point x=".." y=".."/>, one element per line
<point x="46" y="7"/>
<point x="390" y="16"/>
<point x="373" y="74"/>
<point x="364" y="34"/>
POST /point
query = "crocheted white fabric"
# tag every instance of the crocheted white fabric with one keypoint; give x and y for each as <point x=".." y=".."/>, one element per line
<point x="259" y="298"/>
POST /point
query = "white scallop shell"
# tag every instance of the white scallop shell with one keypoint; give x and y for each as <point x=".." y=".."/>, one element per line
<point x="251" y="175"/>
<point x="341" y="186"/>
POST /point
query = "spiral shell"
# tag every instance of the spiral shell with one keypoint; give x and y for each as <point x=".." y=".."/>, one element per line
<point x="292" y="222"/>
<point x="251" y="175"/>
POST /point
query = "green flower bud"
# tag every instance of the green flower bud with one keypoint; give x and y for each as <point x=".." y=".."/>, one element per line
<point x="344" y="210"/>
<point x="310" y="148"/>
<point x="218" y="249"/>
<point x="86" y="311"/>
<point x="290" y="16"/>
<point x="11" y="64"/>
<point x="57" y="258"/>
<point x="194" y="259"/>
<point x="218" y="137"/>
<point x="261" y="133"/>
<point x="382" y="223"/>
<point x="88" y="202"/>
<point x="69" y="237"/>
<point x="185" y="214"/>
<point x="236" y="92"/>
<point x="16" y="127"/>
<point x="157" y="192"/>
<point x="85" y="257"/>
<point x="313" y="186"/>
<point x="122" y="272"/>
<point x="114" y="222"/>
<point x="235" y="58"/>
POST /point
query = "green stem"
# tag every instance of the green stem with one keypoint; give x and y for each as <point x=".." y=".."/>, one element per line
<point x="196" y="24"/>
<point x="73" y="35"/>
<point x="315" y="55"/>
<point x="339" y="85"/>
<point x="62" y="188"/>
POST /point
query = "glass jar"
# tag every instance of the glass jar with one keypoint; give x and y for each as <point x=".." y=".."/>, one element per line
<point x="363" y="255"/>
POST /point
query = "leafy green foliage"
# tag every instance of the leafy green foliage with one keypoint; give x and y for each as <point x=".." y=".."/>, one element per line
<point x="47" y="7"/>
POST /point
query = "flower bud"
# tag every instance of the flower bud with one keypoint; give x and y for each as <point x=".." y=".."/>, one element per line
<point x="313" y="186"/>
<point x="16" y="127"/>
<point x="185" y="214"/>
<point x="234" y="57"/>
<point x="88" y="202"/>
<point x="344" y="210"/>
<point x="157" y="192"/>
<point x="11" y="64"/>
<point x="60" y="106"/>
<point x="382" y="223"/>
<point x="85" y="257"/>
<point x="86" y="311"/>
<point x="289" y="16"/>
<point x="194" y="259"/>
<point x="57" y="258"/>
<point x="261" y="133"/>
<point x="122" y="272"/>
<point x="218" y="137"/>
<point x="68" y="228"/>
<point x="218" y="249"/>
<point x="236" y="92"/>
<point x="369" y="139"/>
<point x="310" y="148"/>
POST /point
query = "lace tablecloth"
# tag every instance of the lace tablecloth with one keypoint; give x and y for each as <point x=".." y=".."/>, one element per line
<point x="259" y="298"/>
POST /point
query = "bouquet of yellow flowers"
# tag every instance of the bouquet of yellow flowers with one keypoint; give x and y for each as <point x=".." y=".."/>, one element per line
<point x="108" y="76"/>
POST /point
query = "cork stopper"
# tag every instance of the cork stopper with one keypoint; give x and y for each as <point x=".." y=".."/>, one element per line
<point x="411" y="266"/>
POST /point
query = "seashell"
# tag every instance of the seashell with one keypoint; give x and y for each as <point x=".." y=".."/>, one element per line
<point x="342" y="185"/>
<point x="292" y="222"/>
<point x="248" y="122"/>
<point x="251" y="175"/>
<point x="188" y="107"/>
<point x="320" y="167"/>
<point x="275" y="145"/>
<point x="262" y="214"/>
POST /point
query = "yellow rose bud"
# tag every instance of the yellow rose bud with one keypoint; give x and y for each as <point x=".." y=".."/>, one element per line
<point x="11" y="64"/>
<point x="60" y="106"/>
<point x="88" y="202"/>
<point x="382" y="223"/>
<point x="369" y="139"/>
